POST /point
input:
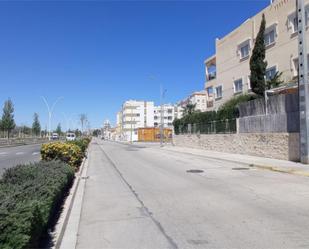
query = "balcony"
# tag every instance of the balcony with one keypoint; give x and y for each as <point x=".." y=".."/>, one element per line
<point x="211" y="68"/>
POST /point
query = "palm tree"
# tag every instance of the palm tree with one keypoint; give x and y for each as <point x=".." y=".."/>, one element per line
<point x="189" y="109"/>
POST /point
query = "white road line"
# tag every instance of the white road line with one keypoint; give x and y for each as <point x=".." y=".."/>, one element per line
<point x="35" y="153"/>
<point x="20" y="153"/>
<point x="3" y="153"/>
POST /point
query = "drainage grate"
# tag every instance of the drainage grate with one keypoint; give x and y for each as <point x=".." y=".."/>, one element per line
<point x="195" y="171"/>
<point x="240" y="168"/>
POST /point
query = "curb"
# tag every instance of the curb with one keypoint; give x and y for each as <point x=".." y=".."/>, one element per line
<point x="67" y="206"/>
<point x="19" y="144"/>
<point x="276" y="169"/>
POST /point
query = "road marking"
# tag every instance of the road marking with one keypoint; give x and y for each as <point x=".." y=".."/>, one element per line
<point x="20" y="153"/>
<point x="35" y="153"/>
<point x="3" y="153"/>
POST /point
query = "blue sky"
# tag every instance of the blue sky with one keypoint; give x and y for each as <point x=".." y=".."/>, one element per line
<point x="97" y="54"/>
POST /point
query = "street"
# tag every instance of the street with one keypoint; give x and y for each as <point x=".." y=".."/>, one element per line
<point x="141" y="196"/>
<point x="11" y="156"/>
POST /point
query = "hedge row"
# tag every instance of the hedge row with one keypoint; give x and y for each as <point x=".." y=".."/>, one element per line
<point x="71" y="152"/>
<point x="228" y="111"/>
<point x="29" y="196"/>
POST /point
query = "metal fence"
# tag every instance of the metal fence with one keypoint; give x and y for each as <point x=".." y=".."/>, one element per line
<point x="214" y="127"/>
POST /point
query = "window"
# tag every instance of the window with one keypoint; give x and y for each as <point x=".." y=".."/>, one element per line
<point x="249" y="83"/>
<point x="295" y="66"/>
<point x="293" y="23"/>
<point x="238" y="86"/>
<point x="218" y="92"/>
<point x="244" y="51"/>
<point x="270" y="73"/>
<point x="170" y="111"/>
<point x="170" y="118"/>
<point x="269" y="37"/>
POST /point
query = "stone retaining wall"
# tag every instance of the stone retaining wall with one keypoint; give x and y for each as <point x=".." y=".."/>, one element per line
<point x="283" y="146"/>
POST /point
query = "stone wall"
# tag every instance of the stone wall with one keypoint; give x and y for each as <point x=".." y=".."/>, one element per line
<point x="283" y="146"/>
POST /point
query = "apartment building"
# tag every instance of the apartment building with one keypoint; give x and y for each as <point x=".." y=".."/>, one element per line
<point x="133" y="115"/>
<point x="228" y="71"/>
<point x="198" y="99"/>
<point x="169" y="113"/>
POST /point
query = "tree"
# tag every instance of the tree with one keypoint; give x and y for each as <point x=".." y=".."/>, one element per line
<point x="189" y="109"/>
<point x="96" y="132"/>
<point x="36" y="127"/>
<point x="257" y="62"/>
<point x="78" y="133"/>
<point x="7" y="121"/>
<point x="58" y="129"/>
<point x="275" y="81"/>
<point x="83" y="120"/>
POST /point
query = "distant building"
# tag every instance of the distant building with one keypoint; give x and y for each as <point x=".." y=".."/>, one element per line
<point x="143" y="114"/>
<point x="168" y="115"/>
<point x="133" y="115"/>
<point x="196" y="98"/>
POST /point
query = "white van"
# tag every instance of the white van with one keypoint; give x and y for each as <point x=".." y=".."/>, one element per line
<point x="70" y="137"/>
<point x="55" y="136"/>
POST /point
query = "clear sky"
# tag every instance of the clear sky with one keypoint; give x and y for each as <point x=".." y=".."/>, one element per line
<point x="97" y="54"/>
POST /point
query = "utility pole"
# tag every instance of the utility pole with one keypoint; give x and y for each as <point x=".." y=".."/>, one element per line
<point x="162" y="94"/>
<point x="50" y="112"/>
<point x="303" y="86"/>
<point x="131" y="130"/>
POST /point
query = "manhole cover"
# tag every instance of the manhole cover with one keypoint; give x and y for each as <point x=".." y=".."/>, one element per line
<point x="240" y="168"/>
<point x="195" y="171"/>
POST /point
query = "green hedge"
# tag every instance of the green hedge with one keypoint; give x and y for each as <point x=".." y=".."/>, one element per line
<point x="29" y="195"/>
<point x="228" y="111"/>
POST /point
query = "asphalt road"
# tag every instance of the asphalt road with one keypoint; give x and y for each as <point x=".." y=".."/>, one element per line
<point x="12" y="156"/>
<point x="143" y="197"/>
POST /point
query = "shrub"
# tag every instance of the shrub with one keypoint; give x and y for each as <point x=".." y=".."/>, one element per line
<point x="29" y="196"/>
<point x="65" y="152"/>
<point x="81" y="143"/>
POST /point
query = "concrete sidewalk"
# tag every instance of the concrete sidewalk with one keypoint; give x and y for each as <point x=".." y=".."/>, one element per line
<point x="252" y="161"/>
<point x="110" y="213"/>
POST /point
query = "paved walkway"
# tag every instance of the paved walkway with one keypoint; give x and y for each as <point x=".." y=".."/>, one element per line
<point x="112" y="215"/>
<point x="260" y="162"/>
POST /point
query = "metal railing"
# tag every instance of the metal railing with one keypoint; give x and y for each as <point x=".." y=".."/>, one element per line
<point x="227" y="126"/>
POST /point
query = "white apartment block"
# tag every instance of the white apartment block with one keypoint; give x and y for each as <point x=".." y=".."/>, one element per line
<point x="133" y="115"/>
<point x="228" y="71"/>
<point x="198" y="99"/>
<point x="169" y="113"/>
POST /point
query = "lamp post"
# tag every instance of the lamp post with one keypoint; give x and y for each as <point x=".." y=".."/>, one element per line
<point x="162" y="95"/>
<point x="50" y="112"/>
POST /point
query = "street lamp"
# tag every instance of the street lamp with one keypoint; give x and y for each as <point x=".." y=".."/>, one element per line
<point x="162" y="95"/>
<point x="50" y="112"/>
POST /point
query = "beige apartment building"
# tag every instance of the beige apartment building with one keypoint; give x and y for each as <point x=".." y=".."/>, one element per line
<point x="227" y="72"/>
<point x="196" y="98"/>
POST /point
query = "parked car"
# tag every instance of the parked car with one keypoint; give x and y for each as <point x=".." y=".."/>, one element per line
<point x="55" y="136"/>
<point x="70" y="137"/>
